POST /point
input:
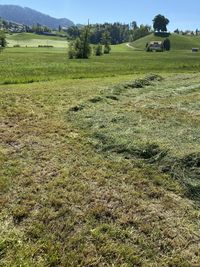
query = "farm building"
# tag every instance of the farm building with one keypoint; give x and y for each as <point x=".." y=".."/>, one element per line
<point x="156" y="46"/>
<point x="195" y="49"/>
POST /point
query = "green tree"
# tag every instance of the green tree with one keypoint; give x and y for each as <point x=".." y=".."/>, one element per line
<point x="3" y="42"/>
<point x="167" y="44"/>
<point x="140" y="32"/>
<point x="106" y="40"/>
<point x="71" y="50"/>
<point x="99" y="50"/>
<point x="73" y="32"/>
<point x="160" y="23"/>
<point x="46" y="29"/>
<point x="81" y="48"/>
<point x="134" y="25"/>
<point x="85" y="40"/>
<point x="177" y="31"/>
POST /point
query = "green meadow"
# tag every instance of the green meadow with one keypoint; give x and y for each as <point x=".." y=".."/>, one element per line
<point x="25" y="65"/>
<point x="178" y="41"/>
<point x="34" y="40"/>
<point x="100" y="158"/>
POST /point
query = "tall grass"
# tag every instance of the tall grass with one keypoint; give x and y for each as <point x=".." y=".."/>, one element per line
<point x="25" y="65"/>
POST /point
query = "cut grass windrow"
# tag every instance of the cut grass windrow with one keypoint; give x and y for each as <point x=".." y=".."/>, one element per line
<point x="185" y="168"/>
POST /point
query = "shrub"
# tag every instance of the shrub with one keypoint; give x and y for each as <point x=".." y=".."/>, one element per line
<point x="98" y="50"/>
<point x="107" y="49"/>
<point x="71" y="51"/>
<point x="167" y="44"/>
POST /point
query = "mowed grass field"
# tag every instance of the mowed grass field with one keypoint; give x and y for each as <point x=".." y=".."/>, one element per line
<point x="100" y="161"/>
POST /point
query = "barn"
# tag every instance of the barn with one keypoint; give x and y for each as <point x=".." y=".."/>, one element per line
<point x="156" y="46"/>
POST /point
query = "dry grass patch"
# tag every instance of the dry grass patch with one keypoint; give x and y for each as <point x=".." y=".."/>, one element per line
<point x="84" y="188"/>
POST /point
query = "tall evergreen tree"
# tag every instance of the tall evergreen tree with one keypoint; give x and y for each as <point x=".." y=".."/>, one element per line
<point x="85" y="40"/>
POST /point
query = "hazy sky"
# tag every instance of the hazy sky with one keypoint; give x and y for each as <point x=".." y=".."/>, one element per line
<point x="182" y="14"/>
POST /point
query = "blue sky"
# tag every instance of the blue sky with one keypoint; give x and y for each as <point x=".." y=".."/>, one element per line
<point x="182" y="14"/>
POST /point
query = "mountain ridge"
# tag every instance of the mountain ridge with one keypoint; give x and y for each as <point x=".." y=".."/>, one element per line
<point x="30" y="17"/>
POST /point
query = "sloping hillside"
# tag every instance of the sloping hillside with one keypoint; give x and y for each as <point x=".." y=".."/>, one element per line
<point x="178" y="42"/>
<point x="34" y="40"/>
<point x="31" y="17"/>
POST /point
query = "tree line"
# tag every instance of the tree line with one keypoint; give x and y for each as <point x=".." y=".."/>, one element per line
<point x="118" y="32"/>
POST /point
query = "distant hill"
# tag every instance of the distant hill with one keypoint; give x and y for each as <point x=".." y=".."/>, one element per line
<point x="34" y="40"/>
<point x="178" y="42"/>
<point x="31" y="17"/>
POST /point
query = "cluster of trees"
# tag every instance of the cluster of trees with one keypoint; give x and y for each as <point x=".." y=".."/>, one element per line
<point x="160" y="23"/>
<point x="137" y="32"/>
<point x="38" y="29"/>
<point x="118" y="32"/>
<point x="81" y="46"/>
<point x="103" y="35"/>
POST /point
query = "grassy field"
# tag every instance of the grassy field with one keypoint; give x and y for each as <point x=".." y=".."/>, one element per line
<point x="100" y="160"/>
<point x="26" y="65"/>
<point x="34" y="40"/>
<point x="178" y="42"/>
